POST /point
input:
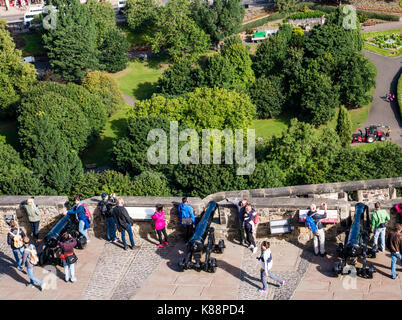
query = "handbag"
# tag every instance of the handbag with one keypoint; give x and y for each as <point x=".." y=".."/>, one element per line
<point x="187" y="221"/>
<point x="71" y="259"/>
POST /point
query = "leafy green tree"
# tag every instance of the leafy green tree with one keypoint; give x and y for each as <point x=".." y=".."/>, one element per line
<point x="386" y="161"/>
<point x="266" y="175"/>
<point x="50" y="157"/>
<point x="219" y="19"/>
<point x="71" y="46"/>
<point x="141" y="14"/>
<point x="285" y="5"/>
<point x="113" y="51"/>
<point x="344" y="126"/>
<point x="177" y="33"/>
<point x="116" y="182"/>
<point x="356" y="76"/>
<point x="103" y="15"/>
<point x="150" y="183"/>
<point x="285" y="32"/>
<point x="15" y="178"/>
<point x="106" y="87"/>
<point x="15" y="77"/>
<point x="268" y="96"/>
<point x="218" y="71"/>
<point x="87" y="185"/>
<point x="181" y="77"/>
<point x="298" y="37"/>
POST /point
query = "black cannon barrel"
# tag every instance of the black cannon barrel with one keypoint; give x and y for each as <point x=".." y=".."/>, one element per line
<point x="201" y="231"/>
<point x="54" y="234"/>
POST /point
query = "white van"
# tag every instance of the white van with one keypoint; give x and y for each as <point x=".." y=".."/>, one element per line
<point x="31" y="13"/>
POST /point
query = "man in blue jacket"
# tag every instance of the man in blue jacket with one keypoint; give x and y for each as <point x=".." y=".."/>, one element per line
<point x="187" y="219"/>
<point x="79" y="210"/>
<point x="240" y="205"/>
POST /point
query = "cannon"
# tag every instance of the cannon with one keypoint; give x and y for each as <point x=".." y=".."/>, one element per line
<point x="355" y="245"/>
<point x="196" y="245"/>
<point x="51" y="251"/>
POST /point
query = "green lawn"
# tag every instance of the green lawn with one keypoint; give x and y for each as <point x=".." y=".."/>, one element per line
<point x="99" y="152"/>
<point x="267" y="128"/>
<point x="139" y="79"/>
<point x="33" y="43"/>
<point x="8" y="129"/>
<point x="384" y="52"/>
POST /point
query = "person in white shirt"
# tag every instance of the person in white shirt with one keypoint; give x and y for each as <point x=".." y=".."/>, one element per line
<point x="266" y="265"/>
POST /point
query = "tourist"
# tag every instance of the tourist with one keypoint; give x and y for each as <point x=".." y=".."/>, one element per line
<point x="266" y="265"/>
<point x="160" y="225"/>
<point x="240" y="205"/>
<point x="387" y="96"/>
<point x="187" y="218"/>
<point x="106" y="211"/>
<point x="33" y="215"/>
<point x="124" y="223"/>
<point x="83" y="221"/>
<point x="379" y="219"/>
<point x="15" y="240"/>
<point x="318" y="233"/>
<point x="27" y="261"/>
<point x="67" y="244"/>
<point x="249" y="226"/>
<point x="394" y="244"/>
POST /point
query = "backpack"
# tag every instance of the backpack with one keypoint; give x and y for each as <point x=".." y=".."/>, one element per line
<point x="310" y="223"/>
<point x="33" y="256"/>
<point x="255" y="219"/>
<point x="17" y="239"/>
<point x="87" y="212"/>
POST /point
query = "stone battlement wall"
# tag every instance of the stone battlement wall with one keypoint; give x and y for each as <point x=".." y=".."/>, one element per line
<point x="271" y="204"/>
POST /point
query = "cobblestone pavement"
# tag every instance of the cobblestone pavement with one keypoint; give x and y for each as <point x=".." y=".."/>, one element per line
<point x="6" y="258"/>
<point x="250" y="277"/>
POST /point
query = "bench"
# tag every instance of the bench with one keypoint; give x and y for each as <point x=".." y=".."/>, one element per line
<point x="332" y="216"/>
<point x="280" y="226"/>
<point x="141" y="213"/>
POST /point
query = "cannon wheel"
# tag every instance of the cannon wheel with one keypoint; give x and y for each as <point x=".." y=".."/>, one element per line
<point x="212" y="265"/>
<point x="181" y="264"/>
<point x="221" y="245"/>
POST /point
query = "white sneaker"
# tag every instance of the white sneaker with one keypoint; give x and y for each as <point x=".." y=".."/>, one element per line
<point x="255" y="250"/>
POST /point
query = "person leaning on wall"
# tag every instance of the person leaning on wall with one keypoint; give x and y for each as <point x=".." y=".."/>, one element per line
<point x="33" y="215"/>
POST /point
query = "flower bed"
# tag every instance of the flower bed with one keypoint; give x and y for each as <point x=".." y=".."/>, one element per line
<point x="390" y="42"/>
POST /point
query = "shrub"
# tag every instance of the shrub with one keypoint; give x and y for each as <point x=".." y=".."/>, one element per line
<point x="307" y="15"/>
<point x="399" y="93"/>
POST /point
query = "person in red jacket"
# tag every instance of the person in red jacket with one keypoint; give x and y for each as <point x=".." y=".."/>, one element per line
<point x="160" y="225"/>
<point x="67" y="245"/>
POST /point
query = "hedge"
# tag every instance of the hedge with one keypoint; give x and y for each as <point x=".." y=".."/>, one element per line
<point x="399" y="93"/>
<point x="307" y="14"/>
<point x="260" y="22"/>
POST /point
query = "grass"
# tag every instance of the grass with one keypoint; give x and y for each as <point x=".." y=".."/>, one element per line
<point x="99" y="151"/>
<point x="8" y="129"/>
<point x="267" y="128"/>
<point x="135" y="38"/>
<point x="388" y="53"/>
<point x="33" y="44"/>
<point x="139" y="79"/>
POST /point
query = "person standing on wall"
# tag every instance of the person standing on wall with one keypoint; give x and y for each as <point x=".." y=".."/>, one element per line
<point x="33" y="215"/>
<point x="15" y="240"/>
<point x="187" y="219"/>
<point x="394" y="245"/>
<point x="379" y="219"/>
<point x="124" y="223"/>
<point x="240" y="205"/>
<point x="317" y="228"/>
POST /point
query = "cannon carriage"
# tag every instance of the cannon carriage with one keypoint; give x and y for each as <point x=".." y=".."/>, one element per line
<point x="196" y="245"/>
<point x="51" y="252"/>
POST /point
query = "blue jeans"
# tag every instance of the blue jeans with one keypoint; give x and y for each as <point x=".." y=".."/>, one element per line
<point x="130" y="234"/>
<point x="32" y="278"/>
<point x="35" y="229"/>
<point x="69" y="271"/>
<point x="82" y="230"/>
<point x="394" y="258"/>
<point x="264" y="278"/>
<point x="110" y="228"/>
<point x="17" y="258"/>
<point x="379" y="232"/>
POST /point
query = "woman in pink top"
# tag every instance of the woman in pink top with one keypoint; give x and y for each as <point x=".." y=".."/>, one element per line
<point x="160" y="225"/>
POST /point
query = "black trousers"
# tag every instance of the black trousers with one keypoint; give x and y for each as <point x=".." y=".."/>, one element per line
<point x="249" y="234"/>
<point x="160" y="235"/>
<point x="35" y="229"/>
<point x="189" y="232"/>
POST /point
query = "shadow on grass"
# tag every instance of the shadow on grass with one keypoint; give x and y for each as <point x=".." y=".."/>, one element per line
<point x="156" y="61"/>
<point x="144" y="90"/>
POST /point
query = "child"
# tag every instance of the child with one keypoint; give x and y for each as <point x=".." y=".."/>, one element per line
<point x="266" y="265"/>
<point x="160" y="225"/>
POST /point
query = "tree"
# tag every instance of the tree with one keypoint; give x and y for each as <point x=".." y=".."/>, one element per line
<point x="356" y="76"/>
<point x="217" y="71"/>
<point x="141" y="14"/>
<point x="50" y="157"/>
<point x="71" y="47"/>
<point x="219" y="19"/>
<point x="285" y="5"/>
<point x="113" y="51"/>
<point x="344" y="126"/>
<point x="298" y="37"/>
<point x="104" y="17"/>
<point x="177" y="33"/>
<point x="16" y="77"/>
<point x="150" y="183"/>
<point x="15" y="178"/>
<point x="268" y="96"/>
<point x="87" y="185"/>
<point x="116" y="182"/>
<point x="102" y="84"/>
<point x="181" y="77"/>
<point x="266" y="175"/>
